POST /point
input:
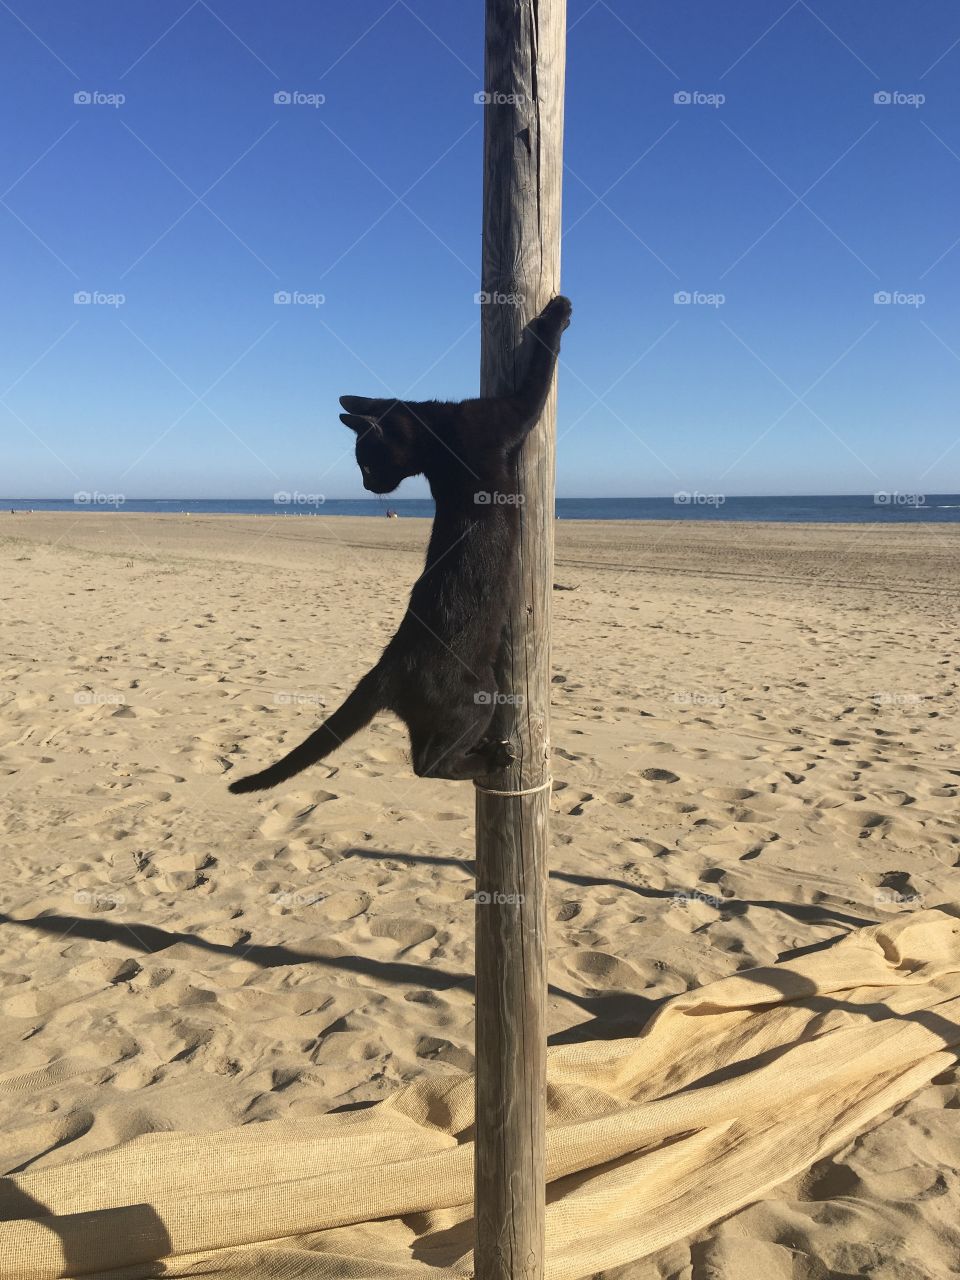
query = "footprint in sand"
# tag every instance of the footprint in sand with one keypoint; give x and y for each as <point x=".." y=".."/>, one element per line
<point x="621" y="797"/>
<point x="135" y="1075"/>
<point x="436" y="1049"/>
<point x="606" y="972"/>
<point x="346" y="905"/>
<point x="900" y="885"/>
<point x="409" y="933"/>
<point x="659" y="775"/>
<point x="608" y="976"/>
<point x="209" y="766"/>
<point x="728" y="794"/>
<point x="895" y="797"/>
<point x="652" y="846"/>
<point x="577" y="810"/>
<point x="856" y="819"/>
<point x="290" y="813"/>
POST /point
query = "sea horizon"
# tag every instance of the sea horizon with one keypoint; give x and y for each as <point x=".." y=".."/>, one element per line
<point x="883" y="507"/>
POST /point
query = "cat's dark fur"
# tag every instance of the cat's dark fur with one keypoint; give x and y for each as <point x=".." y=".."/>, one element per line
<point x="437" y="673"/>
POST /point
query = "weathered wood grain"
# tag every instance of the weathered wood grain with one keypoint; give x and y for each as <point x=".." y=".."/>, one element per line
<point x="523" y="145"/>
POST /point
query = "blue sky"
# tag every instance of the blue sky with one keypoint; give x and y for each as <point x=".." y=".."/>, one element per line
<point x="797" y="198"/>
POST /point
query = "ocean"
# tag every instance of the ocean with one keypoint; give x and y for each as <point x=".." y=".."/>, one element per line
<point x="882" y="508"/>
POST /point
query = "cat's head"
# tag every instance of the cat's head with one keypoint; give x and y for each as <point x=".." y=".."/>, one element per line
<point x="386" y="441"/>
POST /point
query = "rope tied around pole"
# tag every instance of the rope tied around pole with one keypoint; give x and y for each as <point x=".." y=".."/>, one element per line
<point x="527" y="791"/>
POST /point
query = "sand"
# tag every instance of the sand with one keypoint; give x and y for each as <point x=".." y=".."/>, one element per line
<point x="755" y="751"/>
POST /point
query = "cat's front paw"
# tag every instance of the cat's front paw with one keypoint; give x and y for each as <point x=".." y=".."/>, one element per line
<point x="556" y="314"/>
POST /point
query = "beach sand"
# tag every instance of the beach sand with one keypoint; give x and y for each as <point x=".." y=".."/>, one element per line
<point x="755" y="750"/>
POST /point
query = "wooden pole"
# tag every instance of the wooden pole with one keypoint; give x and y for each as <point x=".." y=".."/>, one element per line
<point x="523" y="159"/>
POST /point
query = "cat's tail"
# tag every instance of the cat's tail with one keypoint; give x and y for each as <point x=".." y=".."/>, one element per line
<point x="349" y="718"/>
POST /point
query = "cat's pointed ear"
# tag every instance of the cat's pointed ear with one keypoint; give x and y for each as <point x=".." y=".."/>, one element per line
<point x="367" y="408"/>
<point x="360" y="424"/>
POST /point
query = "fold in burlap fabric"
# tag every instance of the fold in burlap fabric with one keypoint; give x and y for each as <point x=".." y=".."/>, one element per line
<point x="727" y="1091"/>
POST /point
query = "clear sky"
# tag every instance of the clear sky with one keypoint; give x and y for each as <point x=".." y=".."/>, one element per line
<point x="797" y="198"/>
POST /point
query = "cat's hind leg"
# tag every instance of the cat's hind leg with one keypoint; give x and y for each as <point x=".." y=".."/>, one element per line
<point x="459" y="749"/>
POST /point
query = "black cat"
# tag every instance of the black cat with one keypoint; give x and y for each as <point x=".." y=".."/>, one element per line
<point x="436" y="673"/>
